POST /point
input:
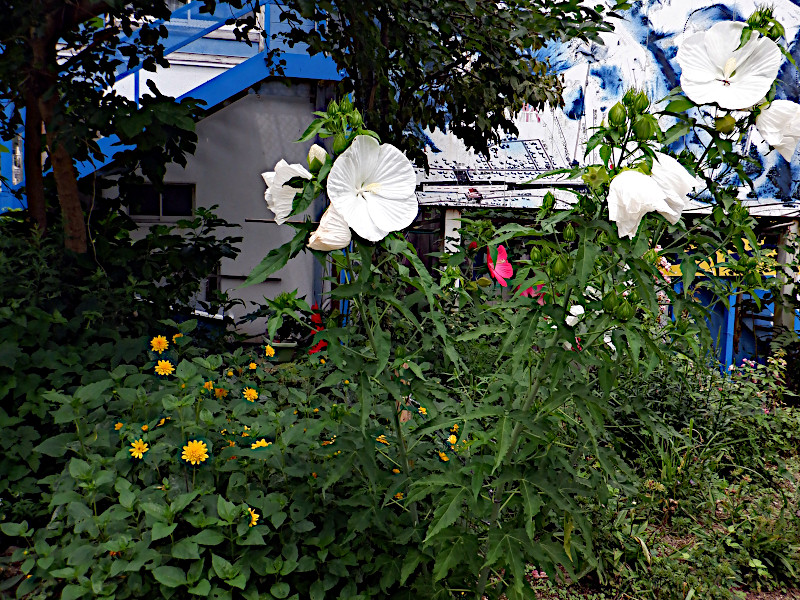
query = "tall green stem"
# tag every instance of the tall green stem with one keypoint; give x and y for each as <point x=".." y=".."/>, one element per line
<point x="500" y="491"/>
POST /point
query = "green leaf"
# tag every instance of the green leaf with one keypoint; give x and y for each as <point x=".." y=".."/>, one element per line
<point x="410" y="563"/>
<point x="276" y="259"/>
<point x="223" y="568"/>
<point x="317" y="590"/>
<point x="280" y="590"/>
<point x="79" y="469"/>
<point x="680" y="104"/>
<point x="202" y="588"/>
<point x="302" y="200"/>
<point x="226" y="510"/>
<point x="169" y="576"/>
<point x="569" y="525"/>
<point x="55" y="446"/>
<point x="14" y="529"/>
<point x="688" y="271"/>
<point x="186" y="549"/>
<point x="532" y="502"/>
<point x="448" y="511"/>
<point x="502" y="433"/>
<point x="162" y="530"/>
<point x="584" y="262"/>
<point x="506" y="547"/>
<point x="676" y="132"/>
<point x="73" y="592"/>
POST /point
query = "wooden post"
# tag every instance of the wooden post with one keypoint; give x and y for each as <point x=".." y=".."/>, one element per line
<point x="452" y="223"/>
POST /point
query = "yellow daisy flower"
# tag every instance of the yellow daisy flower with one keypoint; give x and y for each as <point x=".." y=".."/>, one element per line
<point x="161" y="422"/>
<point x="253" y="366"/>
<point x="145" y="427"/>
<point x="399" y="495"/>
<point x="209" y="385"/>
<point x="262" y="443"/>
<point x="382" y="439"/>
<point x="176" y="336"/>
<point x="452" y="439"/>
<point x="195" y="452"/>
<point x="164" y="367"/>
<point x="220" y="393"/>
<point x="269" y="351"/>
<point x="253" y="517"/>
<point x="230" y="373"/>
<point x="347" y="382"/>
<point x="250" y="394"/>
<point x="454" y="428"/>
<point x="443" y="457"/>
<point x="396" y="471"/>
<point x="159" y="344"/>
<point x="423" y="411"/>
<point x="118" y="426"/>
<point x="322" y="361"/>
<point x="138" y="448"/>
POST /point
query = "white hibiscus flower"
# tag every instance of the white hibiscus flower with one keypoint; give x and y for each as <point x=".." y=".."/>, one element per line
<point x="779" y="125"/>
<point x="372" y="185"/>
<point x="279" y="196"/>
<point x="633" y="194"/>
<point x="332" y="233"/>
<point x="714" y="71"/>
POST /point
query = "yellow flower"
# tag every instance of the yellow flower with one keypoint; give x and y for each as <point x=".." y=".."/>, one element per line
<point x="118" y="426"/>
<point x="230" y="373"/>
<point x="347" y="382"/>
<point x="209" y="385"/>
<point x="244" y="433"/>
<point x="176" y="336"/>
<point x="253" y="366"/>
<point x="443" y="457"/>
<point x="316" y="410"/>
<point x="161" y="422"/>
<point x="220" y="393"/>
<point x="454" y="428"/>
<point x="382" y="439"/>
<point x="423" y="411"/>
<point x="269" y="351"/>
<point x="145" y="427"/>
<point x="396" y="471"/>
<point x="399" y="495"/>
<point x="452" y="439"/>
<point x="262" y="443"/>
<point x="138" y="448"/>
<point x="164" y="367"/>
<point x="250" y="394"/>
<point x="159" y="344"/>
<point x="195" y="452"/>
<point x="322" y="361"/>
<point x="253" y="517"/>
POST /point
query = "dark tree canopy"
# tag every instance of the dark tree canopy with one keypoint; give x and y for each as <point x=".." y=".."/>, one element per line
<point x="59" y="59"/>
<point x="462" y="65"/>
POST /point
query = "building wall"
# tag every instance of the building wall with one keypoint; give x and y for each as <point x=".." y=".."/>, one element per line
<point x="235" y="145"/>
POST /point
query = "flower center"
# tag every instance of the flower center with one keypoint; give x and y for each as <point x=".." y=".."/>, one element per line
<point x="729" y="68"/>
<point x="368" y="188"/>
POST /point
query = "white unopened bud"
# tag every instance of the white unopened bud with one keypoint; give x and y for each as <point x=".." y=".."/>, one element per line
<point x="316" y="158"/>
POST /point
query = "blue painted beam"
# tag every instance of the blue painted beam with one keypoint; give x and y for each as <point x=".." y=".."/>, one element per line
<point x="726" y="356"/>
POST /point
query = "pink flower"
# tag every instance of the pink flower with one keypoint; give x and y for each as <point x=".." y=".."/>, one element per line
<point x="537" y="293"/>
<point x="503" y="270"/>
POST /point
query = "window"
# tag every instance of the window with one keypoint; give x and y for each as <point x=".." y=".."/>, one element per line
<point x="173" y="202"/>
<point x="174" y="5"/>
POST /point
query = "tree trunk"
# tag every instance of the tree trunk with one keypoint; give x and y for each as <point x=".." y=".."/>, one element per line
<point x="34" y="180"/>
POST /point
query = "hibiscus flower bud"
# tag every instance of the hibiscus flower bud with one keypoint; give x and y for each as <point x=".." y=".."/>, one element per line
<point x="602" y="239"/>
<point x="345" y="106"/>
<point x="558" y="268"/>
<point x="595" y="176"/>
<point x="356" y="120"/>
<point x="651" y="256"/>
<point x="610" y="302"/>
<point x="484" y="281"/>
<point x="473" y="246"/>
<point x="569" y="233"/>
<point x="536" y="255"/>
<point x="725" y="124"/>
<point x="641" y="102"/>
<point x="644" y="127"/>
<point x="624" y="310"/>
<point x="333" y="108"/>
<point x="617" y="115"/>
<point x="548" y="203"/>
<point x="339" y="143"/>
<point x="316" y="158"/>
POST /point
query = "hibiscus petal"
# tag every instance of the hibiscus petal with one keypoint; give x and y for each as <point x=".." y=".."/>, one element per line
<point x="779" y="125"/>
<point x="342" y="194"/>
<point x="703" y="57"/>
<point x="675" y="181"/>
<point x="285" y="171"/>
<point x="332" y="233"/>
<point x="631" y="195"/>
